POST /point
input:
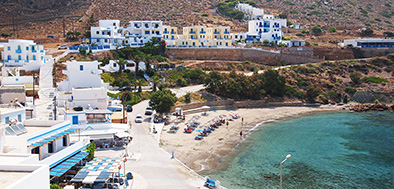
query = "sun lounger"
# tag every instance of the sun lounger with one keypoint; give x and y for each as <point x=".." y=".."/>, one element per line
<point x="198" y="138"/>
<point x="210" y="183"/>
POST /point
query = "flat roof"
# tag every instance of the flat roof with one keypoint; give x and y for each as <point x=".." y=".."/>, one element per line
<point x="10" y="177"/>
<point x="10" y="110"/>
<point x="370" y="40"/>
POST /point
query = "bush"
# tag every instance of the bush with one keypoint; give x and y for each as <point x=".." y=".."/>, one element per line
<point x="350" y="91"/>
<point x="317" y="30"/>
<point x="374" y="79"/>
<point x="355" y="77"/>
<point x="288" y="3"/>
<point x="367" y="32"/>
<point x="204" y="15"/>
<point x="283" y="16"/>
<point x="332" y="30"/>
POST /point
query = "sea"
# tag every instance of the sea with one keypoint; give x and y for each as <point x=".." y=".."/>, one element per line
<point x="328" y="150"/>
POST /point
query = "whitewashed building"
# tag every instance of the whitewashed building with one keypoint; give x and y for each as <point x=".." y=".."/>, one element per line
<point x="23" y="53"/>
<point x="260" y="30"/>
<point x="111" y="34"/>
<point x="202" y="36"/>
<point x="251" y="13"/>
<point x="368" y="43"/>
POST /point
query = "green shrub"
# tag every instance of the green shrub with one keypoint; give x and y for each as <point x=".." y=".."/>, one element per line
<point x="288" y="3"/>
<point x="332" y="29"/>
<point x="350" y="91"/>
<point x="315" y="44"/>
<point x="294" y="12"/>
<point x="374" y="79"/>
<point x="204" y="15"/>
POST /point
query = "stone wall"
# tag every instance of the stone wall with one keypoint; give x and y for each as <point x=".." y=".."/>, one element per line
<point x="371" y="52"/>
<point x="233" y="54"/>
<point x="333" y="53"/>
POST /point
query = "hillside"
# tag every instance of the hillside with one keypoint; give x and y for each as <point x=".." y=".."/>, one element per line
<point x="38" y="18"/>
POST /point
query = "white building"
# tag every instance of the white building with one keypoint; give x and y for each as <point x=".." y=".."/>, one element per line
<point x="113" y="66"/>
<point x="112" y="33"/>
<point x="368" y="43"/>
<point x="12" y="114"/>
<point x="260" y="30"/>
<point x="293" y="43"/>
<point x="82" y="75"/>
<point x="23" y="53"/>
<point x="251" y="13"/>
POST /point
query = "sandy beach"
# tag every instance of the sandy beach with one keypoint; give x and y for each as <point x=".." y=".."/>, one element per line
<point x="203" y="155"/>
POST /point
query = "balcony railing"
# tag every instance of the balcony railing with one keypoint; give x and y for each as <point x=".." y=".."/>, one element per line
<point x="192" y="32"/>
<point x="226" y="32"/>
<point x="203" y="32"/>
<point x="18" y="51"/>
<point x="173" y="32"/>
<point x="34" y="51"/>
<point x="216" y="32"/>
<point x="166" y="32"/>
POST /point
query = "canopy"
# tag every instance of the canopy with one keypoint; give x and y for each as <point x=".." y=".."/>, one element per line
<point x="97" y="171"/>
<point x="66" y="165"/>
<point x="52" y="138"/>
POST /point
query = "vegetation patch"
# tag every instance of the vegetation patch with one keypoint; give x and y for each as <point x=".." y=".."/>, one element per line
<point x="374" y="79"/>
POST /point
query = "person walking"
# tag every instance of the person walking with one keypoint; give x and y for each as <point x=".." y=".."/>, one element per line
<point x="227" y="125"/>
<point x="240" y="134"/>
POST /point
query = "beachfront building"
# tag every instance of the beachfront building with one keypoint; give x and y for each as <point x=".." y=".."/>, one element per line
<point x="251" y="13"/>
<point x="260" y="30"/>
<point x="23" y="53"/>
<point x="113" y="66"/>
<point x="50" y="142"/>
<point x="12" y="115"/>
<point x="368" y="43"/>
<point x="111" y="34"/>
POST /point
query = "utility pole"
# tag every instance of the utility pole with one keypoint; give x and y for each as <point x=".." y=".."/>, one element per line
<point x="64" y="27"/>
<point x="34" y="92"/>
<point x="54" y="109"/>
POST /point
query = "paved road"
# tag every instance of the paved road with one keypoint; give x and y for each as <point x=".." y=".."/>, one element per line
<point x="155" y="168"/>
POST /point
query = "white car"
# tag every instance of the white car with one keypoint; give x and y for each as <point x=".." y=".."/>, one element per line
<point x="148" y="110"/>
<point x="138" y="118"/>
<point x="62" y="47"/>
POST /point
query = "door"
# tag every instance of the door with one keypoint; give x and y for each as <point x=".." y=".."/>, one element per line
<point x="75" y="120"/>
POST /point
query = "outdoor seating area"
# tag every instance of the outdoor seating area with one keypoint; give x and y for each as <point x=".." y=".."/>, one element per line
<point x="192" y="124"/>
<point x="210" y="126"/>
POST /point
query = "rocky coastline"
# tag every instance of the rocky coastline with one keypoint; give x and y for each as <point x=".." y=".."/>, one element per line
<point x="371" y="107"/>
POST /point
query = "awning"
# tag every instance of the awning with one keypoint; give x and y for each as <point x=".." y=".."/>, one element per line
<point x="52" y="138"/>
<point x="97" y="171"/>
<point x="122" y="134"/>
<point x="66" y="165"/>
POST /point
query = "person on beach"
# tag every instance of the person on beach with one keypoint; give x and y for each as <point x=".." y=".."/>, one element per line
<point x="242" y="120"/>
<point x="227" y="125"/>
<point x="240" y="134"/>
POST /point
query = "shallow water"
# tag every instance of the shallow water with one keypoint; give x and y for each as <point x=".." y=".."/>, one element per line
<point x="329" y="150"/>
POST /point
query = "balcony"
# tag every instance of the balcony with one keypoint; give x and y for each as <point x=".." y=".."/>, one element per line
<point x="166" y="32"/>
<point x="41" y="51"/>
<point x="33" y="51"/>
<point x="203" y="32"/>
<point x="226" y="32"/>
<point x="216" y="32"/>
<point x="173" y="32"/>
<point x="18" y="51"/>
<point x="192" y="32"/>
<point x="266" y="26"/>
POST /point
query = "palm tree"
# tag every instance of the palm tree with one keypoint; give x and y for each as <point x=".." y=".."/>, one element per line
<point x="139" y="83"/>
<point x="155" y="81"/>
<point x="121" y="63"/>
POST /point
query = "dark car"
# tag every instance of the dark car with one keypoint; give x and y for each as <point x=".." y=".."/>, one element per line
<point x="129" y="108"/>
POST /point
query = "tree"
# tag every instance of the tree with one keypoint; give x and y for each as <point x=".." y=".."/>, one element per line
<point x="162" y="101"/>
<point x="90" y="149"/>
<point x="317" y="30"/>
<point x="273" y="83"/>
<point x="213" y="81"/>
<point x="6" y="35"/>
<point x="155" y="81"/>
<point x="283" y="16"/>
<point x="312" y="93"/>
<point x="332" y="29"/>
<point x="139" y="83"/>
<point x="367" y="32"/>
<point x="55" y="186"/>
<point x="121" y="63"/>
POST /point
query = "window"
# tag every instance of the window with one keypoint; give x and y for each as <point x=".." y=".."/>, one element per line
<point x="27" y="48"/>
<point x="81" y="67"/>
<point x="114" y="24"/>
<point x="6" y="120"/>
<point x="19" y="47"/>
<point x="147" y="32"/>
<point x="50" y="147"/>
<point x="75" y="120"/>
<point x="97" y="32"/>
<point x="27" y="57"/>
<point x="105" y="40"/>
<point x="34" y="57"/>
<point x="19" y="118"/>
<point x="65" y="143"/>
<point x="114" y="65"/>
<point x="19" y="57"/>
<point x="35" y="150"/>
<point x="32" y="48"/>
<point x="9" y="57"/>
<point x="9" y="48"/>
<point x="42" y="58"/>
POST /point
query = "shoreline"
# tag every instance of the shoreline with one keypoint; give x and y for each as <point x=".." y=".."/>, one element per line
<point x="203" y="156"/>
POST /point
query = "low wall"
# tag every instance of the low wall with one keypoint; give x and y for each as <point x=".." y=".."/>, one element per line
<point x="237" y="54"/>
<point x="371" y="52"/>
<point x="223" y="104"/>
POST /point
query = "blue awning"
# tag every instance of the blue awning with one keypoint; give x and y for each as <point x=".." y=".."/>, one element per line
<point x="52" y="138"/>
<point x="67" y="164"/>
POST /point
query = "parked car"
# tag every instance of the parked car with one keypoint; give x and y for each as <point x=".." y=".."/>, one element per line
<point x="129" y="108"/>
<point x="138" y="118"/>
<point x="148" y="110"/>
<point x="62" y="47"/>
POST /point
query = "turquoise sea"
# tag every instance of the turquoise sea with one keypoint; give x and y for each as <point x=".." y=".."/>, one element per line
<point x="329" y="150"/>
